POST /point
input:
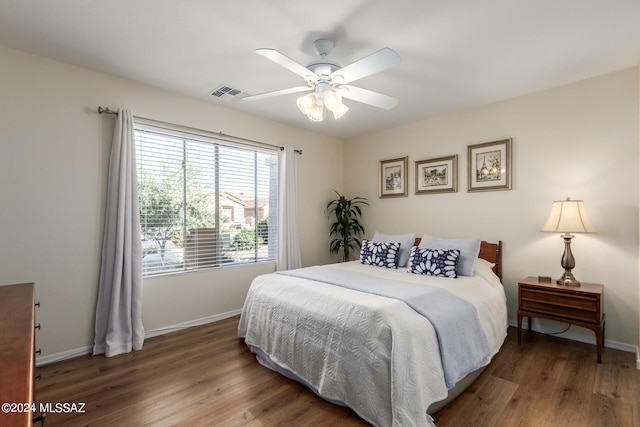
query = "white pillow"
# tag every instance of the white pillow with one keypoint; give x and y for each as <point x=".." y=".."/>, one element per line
<point x="483" y="266"/>
<point x="469" y="250"/>
<point x="406" y="243"/>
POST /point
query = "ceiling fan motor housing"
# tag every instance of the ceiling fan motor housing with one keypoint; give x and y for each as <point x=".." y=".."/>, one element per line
<point x="323" y="71"/>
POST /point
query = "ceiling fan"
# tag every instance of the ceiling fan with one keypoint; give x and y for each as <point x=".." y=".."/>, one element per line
<point x="329" y="83"/>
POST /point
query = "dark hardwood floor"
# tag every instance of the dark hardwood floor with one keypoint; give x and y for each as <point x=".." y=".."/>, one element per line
<point x="206" y="376"/>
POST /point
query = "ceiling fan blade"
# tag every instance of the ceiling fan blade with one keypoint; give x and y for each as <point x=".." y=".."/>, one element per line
<point x="374" y="63"/>
<point x="368" y="97"/>
<point x="277" y="93"/>
<point x="288" y="63"/>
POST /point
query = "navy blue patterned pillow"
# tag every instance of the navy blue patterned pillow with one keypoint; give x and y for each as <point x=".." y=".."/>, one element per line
<point x="380" y="254"/>
<point x="434" y="262"/>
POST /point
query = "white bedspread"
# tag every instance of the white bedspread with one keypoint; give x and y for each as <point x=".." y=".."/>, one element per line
<point x="373" y="353"/>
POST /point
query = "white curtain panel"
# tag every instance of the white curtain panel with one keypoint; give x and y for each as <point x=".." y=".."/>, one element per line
<point x="288" y="255"/>
<point x="118" y="326"/>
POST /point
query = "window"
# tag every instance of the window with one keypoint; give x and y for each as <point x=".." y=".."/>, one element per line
<point x="204" y="202"/>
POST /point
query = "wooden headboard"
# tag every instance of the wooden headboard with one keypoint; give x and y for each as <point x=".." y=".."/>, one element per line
<point x="491" y="252"/>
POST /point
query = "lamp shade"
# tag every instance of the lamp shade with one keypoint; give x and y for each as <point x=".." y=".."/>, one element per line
<point x="306" y="103"/>
<point x="568" y="216"/>
<point x="332" y="100"/>
<point x="316" y="114"/>
<point x="340" y="111"/>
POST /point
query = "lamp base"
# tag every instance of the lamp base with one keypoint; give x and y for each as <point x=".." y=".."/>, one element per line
<point x="568" y="262"/>
<point x="568" y="280"/>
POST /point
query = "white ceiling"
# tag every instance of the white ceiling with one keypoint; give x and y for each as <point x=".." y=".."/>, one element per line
<point x="455" y="54"/>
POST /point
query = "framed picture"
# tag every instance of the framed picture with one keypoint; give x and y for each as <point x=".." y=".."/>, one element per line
<point x="489" y="166"/>
<point x="393" y="177"/>
<point x="437" y="175"/>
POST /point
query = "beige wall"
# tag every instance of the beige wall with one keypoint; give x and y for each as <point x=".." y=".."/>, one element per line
<point x="578" y="140"/>
<point x="54" y="152"/>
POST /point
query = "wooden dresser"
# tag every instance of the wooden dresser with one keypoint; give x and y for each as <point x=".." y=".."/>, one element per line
<point x="17" y="354"/>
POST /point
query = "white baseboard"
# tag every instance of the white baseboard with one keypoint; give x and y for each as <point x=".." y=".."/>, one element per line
<point x="637" y="358"/>
<point x="52" y="358"/>
<point x="589" y="339"/>
<point x="191" y="323"/>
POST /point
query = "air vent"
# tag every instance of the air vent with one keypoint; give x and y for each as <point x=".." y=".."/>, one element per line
<point x="227" y="92"/>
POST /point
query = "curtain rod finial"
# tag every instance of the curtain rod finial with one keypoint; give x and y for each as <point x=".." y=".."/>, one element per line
<point x="105" y="111"/>
<point x="295" y="151"/>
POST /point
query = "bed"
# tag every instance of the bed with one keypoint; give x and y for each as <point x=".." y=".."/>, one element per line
<point x="393" y="346"/>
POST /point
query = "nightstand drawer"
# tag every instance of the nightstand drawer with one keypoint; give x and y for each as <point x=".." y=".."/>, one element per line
<point x="571" y="306"/>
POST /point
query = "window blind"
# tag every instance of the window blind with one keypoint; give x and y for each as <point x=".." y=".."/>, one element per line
<point x="204" y="202"/>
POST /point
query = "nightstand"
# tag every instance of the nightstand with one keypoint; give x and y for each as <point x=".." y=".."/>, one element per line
<point x="580" y="306"/>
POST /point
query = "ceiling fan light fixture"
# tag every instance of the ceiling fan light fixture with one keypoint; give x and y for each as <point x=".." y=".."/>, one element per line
<point x="340" y="111"/>
<point x="306" y="103"/>
<point x="332" y="100"/>
<point x="316" y="114"/>
<point x="330" y="82"/>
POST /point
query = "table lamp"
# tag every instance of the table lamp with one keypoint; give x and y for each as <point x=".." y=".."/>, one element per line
<point x="568" y="216"/>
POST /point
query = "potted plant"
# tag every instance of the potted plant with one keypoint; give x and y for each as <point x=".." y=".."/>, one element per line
<point x="346" y="226"/>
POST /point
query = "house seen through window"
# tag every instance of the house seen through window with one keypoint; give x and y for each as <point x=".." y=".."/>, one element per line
<point x="204" y="202"/>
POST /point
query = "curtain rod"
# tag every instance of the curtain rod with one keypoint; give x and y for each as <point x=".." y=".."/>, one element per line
<point x="106" y="110"/>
